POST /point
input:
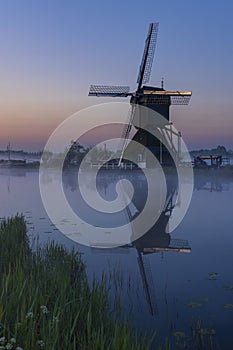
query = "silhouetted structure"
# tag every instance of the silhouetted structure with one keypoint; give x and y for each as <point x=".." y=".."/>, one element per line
<point x="154" y="241"/>
<point x="201" y="161"/>
<point x="157" y="99"/>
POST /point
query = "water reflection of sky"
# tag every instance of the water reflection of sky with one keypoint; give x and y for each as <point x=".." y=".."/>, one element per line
<point x="178" y="278"/>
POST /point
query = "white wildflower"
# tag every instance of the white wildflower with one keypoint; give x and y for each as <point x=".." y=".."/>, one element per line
<point x="40" y="343"/>
<point x="9" y="346"/>
<point x="29" y="315"/>
<point x="13" y="340"/>
<point x="44" y="309"/>
<point x="55" y="319"/>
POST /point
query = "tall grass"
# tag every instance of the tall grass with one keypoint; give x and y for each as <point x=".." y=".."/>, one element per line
<point x="47" y="303"/>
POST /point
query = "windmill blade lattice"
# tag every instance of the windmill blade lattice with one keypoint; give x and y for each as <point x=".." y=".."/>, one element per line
<point x="148" y="55"/>
<point x="111" y="91"/>
<point x="148" y="283"/>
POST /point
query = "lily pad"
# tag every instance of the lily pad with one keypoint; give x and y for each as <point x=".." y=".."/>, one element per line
<point x="228" y="288"/>
<point x="228" y="306"/>
<point x="207" y="331"/>
<point x="212" y="277"/>
<point x="193" y="305"/>
<point x="179" y="334"/>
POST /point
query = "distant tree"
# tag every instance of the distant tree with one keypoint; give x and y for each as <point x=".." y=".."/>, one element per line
<point x="75" y="153"/>
<point x="47" y="155"/>
<point x="221" y="150"/>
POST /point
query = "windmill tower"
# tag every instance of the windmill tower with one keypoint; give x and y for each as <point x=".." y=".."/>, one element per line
<point x="157" y="99"/>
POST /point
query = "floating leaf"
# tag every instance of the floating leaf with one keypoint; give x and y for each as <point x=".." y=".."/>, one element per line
<point x="212" y="277"/>
<point x="179" y="334"/>
<point x="228" y="288"/>
<point x="228" y="306"/>
<point x="193" y="305"/>
<point x="213" y="273"/>
<point x="207" y="331"/>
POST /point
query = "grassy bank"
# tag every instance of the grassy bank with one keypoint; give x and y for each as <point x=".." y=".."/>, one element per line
<point x="47" y="303"/>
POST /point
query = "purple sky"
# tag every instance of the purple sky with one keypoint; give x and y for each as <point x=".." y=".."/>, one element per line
<point x="51" y="51"/>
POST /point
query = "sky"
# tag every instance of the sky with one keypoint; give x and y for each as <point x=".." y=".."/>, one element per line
<point x="52" y="51"/>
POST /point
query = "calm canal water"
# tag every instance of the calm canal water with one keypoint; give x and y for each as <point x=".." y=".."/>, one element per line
<point x="184" y="277"/>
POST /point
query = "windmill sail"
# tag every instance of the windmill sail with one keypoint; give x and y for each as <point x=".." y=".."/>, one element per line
<point x="126" y="132"/>
<point x="148" y="283"/>
<point x="148" y="55"/>
<point x="143" y="77"/>
<point x="111" y="91"/>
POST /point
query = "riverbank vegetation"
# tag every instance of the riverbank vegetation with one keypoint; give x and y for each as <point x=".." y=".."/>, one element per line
<point x="47" y="303"/>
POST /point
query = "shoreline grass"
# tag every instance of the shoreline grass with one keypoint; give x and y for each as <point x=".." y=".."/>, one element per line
<point x="47" y="303"/>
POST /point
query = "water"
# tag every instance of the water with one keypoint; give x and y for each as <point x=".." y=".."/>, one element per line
<point x="156" y="299"/>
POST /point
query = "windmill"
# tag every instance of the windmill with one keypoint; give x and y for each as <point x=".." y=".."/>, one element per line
<point x="156" y="98"/>
<point x="156" y="240"/>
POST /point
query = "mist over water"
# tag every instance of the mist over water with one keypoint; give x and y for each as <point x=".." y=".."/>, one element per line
<point x="187" y="274"/>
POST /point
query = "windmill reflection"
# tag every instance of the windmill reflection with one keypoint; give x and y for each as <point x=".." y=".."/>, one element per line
<point x="157" y="240"/>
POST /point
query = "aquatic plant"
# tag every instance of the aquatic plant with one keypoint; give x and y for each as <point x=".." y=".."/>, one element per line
<point x="229" y="288"/>
<point x="212" y="276"/>
<point x="46" y="301"/>
<point x="179" y="334"/>
<point x="193" y="305"/>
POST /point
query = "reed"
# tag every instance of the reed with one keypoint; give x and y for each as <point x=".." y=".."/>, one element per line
<point x="46" y="301"/>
